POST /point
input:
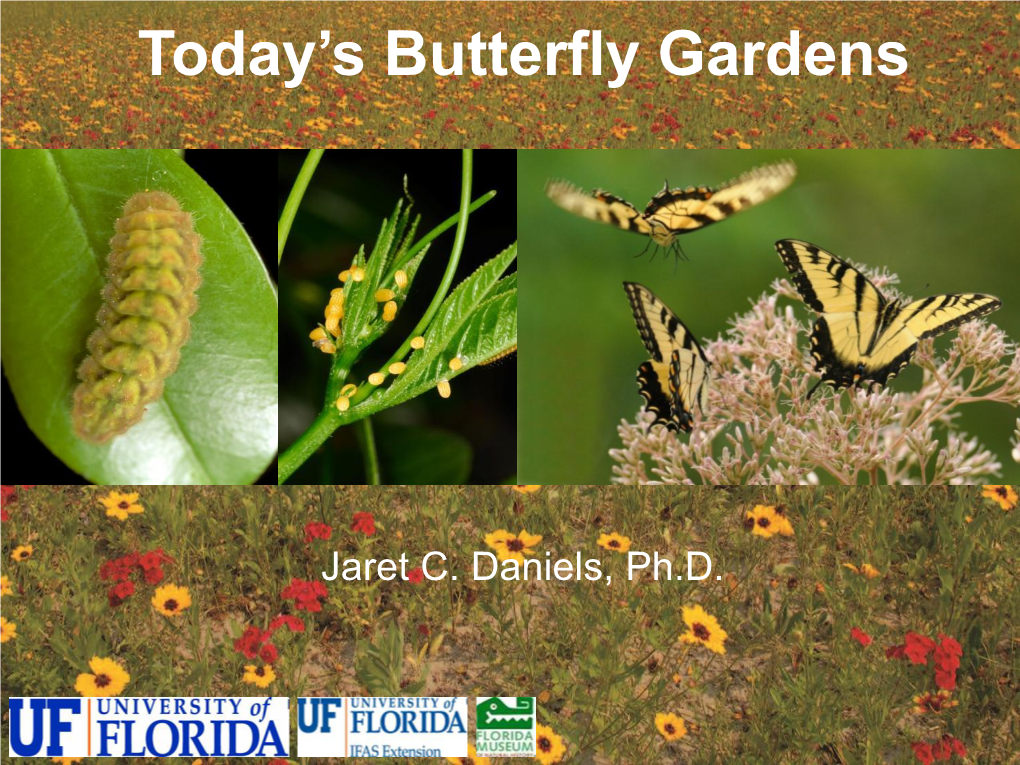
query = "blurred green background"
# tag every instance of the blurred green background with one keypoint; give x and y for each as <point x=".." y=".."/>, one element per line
<point x="945" y="221"/>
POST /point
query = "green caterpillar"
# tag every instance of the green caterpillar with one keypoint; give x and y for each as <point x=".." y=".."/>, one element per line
<point x="148" y="298"/>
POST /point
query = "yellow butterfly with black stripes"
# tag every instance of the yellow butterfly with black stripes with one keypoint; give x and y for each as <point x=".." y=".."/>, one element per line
<point x="673" y="212"/>
<point x="860" y="336"/>
<point x="677" y="374"/>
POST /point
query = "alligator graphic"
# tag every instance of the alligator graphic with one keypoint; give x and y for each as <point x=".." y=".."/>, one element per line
<point x="495" y="713"/>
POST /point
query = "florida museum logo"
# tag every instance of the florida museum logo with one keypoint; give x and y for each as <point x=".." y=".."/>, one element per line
<point x="505" y="726"/>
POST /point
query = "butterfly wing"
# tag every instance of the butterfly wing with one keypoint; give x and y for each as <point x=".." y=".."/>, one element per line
<point x="599" y="206"/>
<point x="930" y="317"/>
<point x="677" y="374"/>
<point x="688" y="382"/>
<point x="850" y="309"/>
<point x="654" y="387"/>
<point x="859" y="335"/>
<point x="683" y="210"/>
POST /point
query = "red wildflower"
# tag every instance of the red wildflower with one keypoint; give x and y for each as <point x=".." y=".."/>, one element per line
<point x="942" y="749"/>
<point x="365" y="523"/>
<point x="6" y="493"/>
<point x="922" y="751"/>
<point x="895" y="652"/>
<point x="918" y="647"/>
<point x="250" y="641"/>
<point x="317" y="531"/>
<point x="154" y="559"/>
<point x="153" y="575"/>
<point x="415" y="576"/>
<point x="957" y="745"/>
<point x="268" y="653"/>
<point x="305" y="594"/>
<point x="945" y="679"/>
<point x="860" y="636"/>
<point x="292" y="622"/>
<point x="423" y="629"/>
<point x="120" y="592"/>
<point x="118" y="569"/>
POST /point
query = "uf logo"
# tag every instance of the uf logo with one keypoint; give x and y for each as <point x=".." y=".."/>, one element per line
<point x="313" y="705"/>
<point x="56" y="725"/>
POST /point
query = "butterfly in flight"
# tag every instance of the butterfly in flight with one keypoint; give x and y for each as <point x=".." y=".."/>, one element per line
<point x="861" y="336"/>
<point x="673" y="212"/>
<point x="676" y="377"/>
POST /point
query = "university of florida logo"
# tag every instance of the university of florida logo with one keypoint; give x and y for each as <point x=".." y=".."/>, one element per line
<point x="505" y="726"/>
<point x="149" y="727"/>
<point x="400" y="727"/>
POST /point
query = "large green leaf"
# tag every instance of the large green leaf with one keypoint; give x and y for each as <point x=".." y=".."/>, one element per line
<point x="217" y="420"/>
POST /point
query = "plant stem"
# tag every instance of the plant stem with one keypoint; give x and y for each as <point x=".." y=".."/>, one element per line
<point x="329" y="418"/>
<point x="294" y="200"/>
<point x="321" y="428"/>
<point x="366" y="437"/>
<point x="367" y="389"/>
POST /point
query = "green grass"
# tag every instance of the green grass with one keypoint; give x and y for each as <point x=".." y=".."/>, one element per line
<point x="792" y="685"/>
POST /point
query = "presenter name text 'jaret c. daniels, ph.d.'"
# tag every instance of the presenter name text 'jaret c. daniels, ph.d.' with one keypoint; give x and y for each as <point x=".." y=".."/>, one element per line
<point x="695" y="566"/>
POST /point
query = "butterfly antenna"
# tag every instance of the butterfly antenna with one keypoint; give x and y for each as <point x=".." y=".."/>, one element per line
<point x="640" y="254"/>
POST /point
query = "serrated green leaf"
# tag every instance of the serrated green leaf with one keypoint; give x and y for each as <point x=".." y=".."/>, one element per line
<point x="456" y="311"/>
<point x="490" y="331"/>
<point x="217" y="420"/>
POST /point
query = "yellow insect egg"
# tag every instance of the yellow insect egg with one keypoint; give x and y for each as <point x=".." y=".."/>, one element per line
<point x="333" y="323"/>
<point x="320" y="341"/>
<point x="456" y="363"/>
<point x="357" y="274"/>
<point x="418" y="342"/>
<point x="389" y="311"/>
<point x="376" y="378"/>
<point x="345" y="275"/>
<point x="381" y="296"/>
<point x="349" y="390"/>
<point x="343" y="404"/>
<point x="444" y="388"/>
<point x="400" y="277"/>
<point x="397" y="367"/>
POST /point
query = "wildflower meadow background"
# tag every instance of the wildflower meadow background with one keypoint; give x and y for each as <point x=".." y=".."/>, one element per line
<point x="846" y="625"/>
<point x="77" y="75"/>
